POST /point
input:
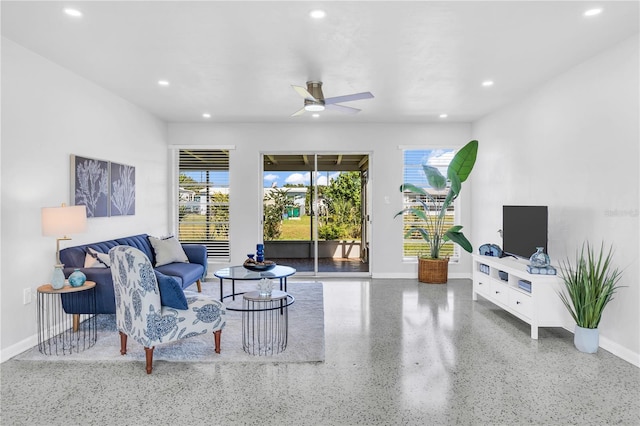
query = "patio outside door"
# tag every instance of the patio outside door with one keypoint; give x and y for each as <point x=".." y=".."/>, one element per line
<point x="315" y="212"/>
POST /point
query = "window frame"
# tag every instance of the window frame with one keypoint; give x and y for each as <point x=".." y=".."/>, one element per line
<point x="217" y="249"/>
<point x="406" y="197"/>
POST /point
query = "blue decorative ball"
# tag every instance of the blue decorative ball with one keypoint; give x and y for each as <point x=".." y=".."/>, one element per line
<point x="77" y="278"/>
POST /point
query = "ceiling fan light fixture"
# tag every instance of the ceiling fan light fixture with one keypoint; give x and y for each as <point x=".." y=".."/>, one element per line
<point x="314" y="107"/>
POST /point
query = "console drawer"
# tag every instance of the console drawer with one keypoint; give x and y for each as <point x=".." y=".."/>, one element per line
<point x="499" y="292"/>
<point x="520" y="302"/>
<point x="482" y="286"/>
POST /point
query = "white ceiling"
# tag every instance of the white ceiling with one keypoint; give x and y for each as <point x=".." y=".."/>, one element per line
<point x="237" y="60"/>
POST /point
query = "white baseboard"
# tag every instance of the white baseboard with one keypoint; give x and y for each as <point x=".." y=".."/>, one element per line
<point x="620" y="351"/>
<point x="414" y="276"/>
<point x="13" y="350"/>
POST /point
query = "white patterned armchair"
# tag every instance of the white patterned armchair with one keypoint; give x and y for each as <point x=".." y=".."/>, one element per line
<point x="141" y="315"/>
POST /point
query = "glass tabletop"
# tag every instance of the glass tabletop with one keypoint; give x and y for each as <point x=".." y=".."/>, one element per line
<point x="241" y="273"/>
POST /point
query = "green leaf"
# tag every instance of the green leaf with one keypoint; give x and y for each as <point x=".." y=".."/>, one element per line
<point x="434" y="177"/>
<point x="464" y="160"/>
<point x="458" y="238"/>
<point x="423" y="232"/>
<point x="412" y="188"/>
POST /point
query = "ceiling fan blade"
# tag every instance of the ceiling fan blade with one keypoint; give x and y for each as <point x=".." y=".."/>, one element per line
<point x="343" y="109"/>
<point x="348" y="98"/>
<point x="303" y="92"/>
<point x="299" y="112"/>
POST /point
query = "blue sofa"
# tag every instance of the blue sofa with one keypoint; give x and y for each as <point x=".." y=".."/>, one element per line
<point x="74" y="257"/>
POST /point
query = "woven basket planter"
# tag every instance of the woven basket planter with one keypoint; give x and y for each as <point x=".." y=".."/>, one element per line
<point x="433" y="271"/>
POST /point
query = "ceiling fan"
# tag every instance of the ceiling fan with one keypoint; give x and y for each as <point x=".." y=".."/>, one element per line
<point x="314" y="100"/>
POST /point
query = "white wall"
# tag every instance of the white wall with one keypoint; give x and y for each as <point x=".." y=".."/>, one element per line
<point x="49" y="113"/>
<point x="573" y="145"/>
<point x="381" y="141"/>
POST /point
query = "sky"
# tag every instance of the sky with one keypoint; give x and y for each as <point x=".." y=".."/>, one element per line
<point x="280" y="179"/>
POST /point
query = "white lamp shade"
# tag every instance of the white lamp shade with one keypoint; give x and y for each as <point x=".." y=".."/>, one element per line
<point x="64" y="220"/>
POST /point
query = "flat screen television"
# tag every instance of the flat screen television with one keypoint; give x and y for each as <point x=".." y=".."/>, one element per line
<point x="523" y="229"/>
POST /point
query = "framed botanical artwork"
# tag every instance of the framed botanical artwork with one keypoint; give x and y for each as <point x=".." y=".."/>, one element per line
<point x="122" y="188"/>
<point x="90" y="185"/>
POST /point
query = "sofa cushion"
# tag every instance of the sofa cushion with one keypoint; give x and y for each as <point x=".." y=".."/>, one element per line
<point x="185" y="273"/>
<point x="95" y="259"/>
<point x="167" y="250"/>
<point x="171" y="293"/>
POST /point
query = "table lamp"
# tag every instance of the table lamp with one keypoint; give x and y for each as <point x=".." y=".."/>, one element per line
<point x="63" y="220"/>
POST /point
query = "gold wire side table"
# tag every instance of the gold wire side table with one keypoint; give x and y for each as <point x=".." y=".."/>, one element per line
<point x="265" y="322"/>
<point x="60" y="333"/>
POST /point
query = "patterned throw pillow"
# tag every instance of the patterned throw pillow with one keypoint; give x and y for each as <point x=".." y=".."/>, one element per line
<point x="167" y="250"/>
<point x="95" y="259"/>
<point x="171" y="294"/>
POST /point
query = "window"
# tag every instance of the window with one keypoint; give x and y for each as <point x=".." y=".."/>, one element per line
<point x="413" y="173"/>
<point x="203" y="199"/>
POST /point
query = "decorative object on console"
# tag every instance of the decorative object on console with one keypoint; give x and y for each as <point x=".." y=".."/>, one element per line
<point x="77" y="278"/>
<point x="489" y="249"/>
<point x="589" y="285"/>
<point x="525" y="285"/>
<point x="547" y="270"/>
<point x="539" y="259"/>
<point x="63" y="220"/>
<point x="432" y="212"/>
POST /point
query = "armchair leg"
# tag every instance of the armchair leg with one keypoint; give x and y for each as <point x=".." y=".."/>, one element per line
<point x="76" y="322"/>
<point x="149" y="356"/>
<point x="199" y="286"/>
<point x="123" y="343"/>
<point x="216" y="338"/>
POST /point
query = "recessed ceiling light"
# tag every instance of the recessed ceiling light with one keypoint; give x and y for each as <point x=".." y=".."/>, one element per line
<point x="443" y="115"/>
<point x="317" y="14"/>
<point x="316" y="115"/>
<point x="487" y="83"/>
<point x="73" y="12"/>
<point x="593" y="12"/>
<point x="206" y="115"/>
<point x="163" y="82"/>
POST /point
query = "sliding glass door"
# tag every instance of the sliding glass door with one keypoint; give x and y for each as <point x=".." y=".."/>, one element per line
<point x="315" y="211"/>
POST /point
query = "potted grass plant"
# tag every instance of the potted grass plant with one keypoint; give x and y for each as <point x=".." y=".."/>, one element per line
<point x="431" y="213"/>
<point x="589" y="285"/>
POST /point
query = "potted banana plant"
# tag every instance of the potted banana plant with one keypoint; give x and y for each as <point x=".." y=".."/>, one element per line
<point x="589" y="285"/>
<point x="431" y="212"/>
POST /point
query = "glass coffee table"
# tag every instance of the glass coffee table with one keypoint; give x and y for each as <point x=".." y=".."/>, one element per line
<point x="240" y="273"/>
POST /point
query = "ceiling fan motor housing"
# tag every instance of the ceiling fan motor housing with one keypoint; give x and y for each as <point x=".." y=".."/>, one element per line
<point x="315" y="89"/>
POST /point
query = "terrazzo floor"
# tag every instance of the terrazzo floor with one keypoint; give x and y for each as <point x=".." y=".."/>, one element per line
<point x="396" y="353"/>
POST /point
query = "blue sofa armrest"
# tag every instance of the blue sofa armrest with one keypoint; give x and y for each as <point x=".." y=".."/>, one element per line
<point x="105" y="296"/>
<point x="197" y="253"/>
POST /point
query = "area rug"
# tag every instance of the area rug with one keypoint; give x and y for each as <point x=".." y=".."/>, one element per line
<point x="305" y="342"/>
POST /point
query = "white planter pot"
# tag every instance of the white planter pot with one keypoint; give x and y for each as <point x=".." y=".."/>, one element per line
<point x="586" y="339"/>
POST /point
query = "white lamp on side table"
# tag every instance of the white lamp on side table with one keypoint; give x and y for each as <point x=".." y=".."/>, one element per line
<point x="63" y="220"/>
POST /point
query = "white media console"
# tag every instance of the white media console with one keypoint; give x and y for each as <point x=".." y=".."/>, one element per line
<point x="541" y="307"/>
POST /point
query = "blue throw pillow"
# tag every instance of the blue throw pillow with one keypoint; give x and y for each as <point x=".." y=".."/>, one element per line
<point x="171" y="293"/>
